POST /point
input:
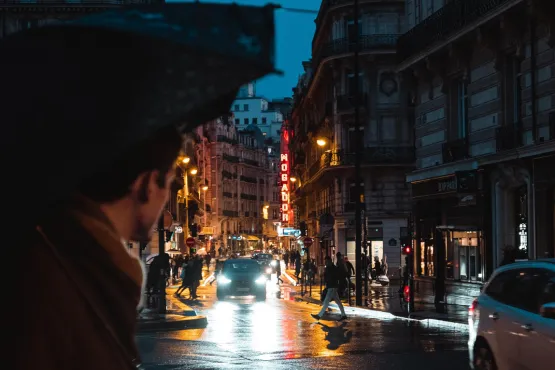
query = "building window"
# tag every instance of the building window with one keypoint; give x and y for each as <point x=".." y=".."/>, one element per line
<point x="263" y="120"/>
<point x="464" y="257"/>
<point x="246" y="120"/>
<point x="350" y="82"/>
<point x="237" y="121"/>
<point x="353" y="196"/>
<point x="462" y="108"/>
<point x="255" y="121"/>
<point x="236" y="107"/>
<point x="354" y="137"/>
<point x="246" y="107"/>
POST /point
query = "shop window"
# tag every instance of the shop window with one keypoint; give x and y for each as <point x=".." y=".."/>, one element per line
<point x="427" y="257"/>
<point x="464" y="256"/>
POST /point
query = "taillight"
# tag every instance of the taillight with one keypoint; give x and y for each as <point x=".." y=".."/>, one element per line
<point x="406" y="293"/>
<point x="473" y="307"/>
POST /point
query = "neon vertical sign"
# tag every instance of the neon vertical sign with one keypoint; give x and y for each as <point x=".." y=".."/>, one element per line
<point x="284" y="175"/>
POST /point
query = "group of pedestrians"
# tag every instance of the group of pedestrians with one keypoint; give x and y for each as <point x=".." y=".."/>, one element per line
<point x="191" y="275"/>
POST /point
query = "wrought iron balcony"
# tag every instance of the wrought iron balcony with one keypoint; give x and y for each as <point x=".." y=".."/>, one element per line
<point x="382" y="155"/>
<point x="455" y="150"/>
<point x="347" y="46"/>
<point x="451" y="18"/>
<point x="508" y="137"/>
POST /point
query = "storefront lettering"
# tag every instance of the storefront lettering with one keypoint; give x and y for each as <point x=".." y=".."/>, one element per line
<point x="445" y="186"/>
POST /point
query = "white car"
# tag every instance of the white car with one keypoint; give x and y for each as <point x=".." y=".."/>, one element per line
<point x="512" y="322"/>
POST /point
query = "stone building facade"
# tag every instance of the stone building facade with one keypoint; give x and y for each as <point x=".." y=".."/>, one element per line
<point x="481" y="87"/>
<point x="325" y="196"/>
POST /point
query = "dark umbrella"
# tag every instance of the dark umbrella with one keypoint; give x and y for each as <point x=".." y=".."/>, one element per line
<point x="76" y="95"/>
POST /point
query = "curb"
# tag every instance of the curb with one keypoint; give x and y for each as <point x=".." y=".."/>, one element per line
<point x="370" y="313"/>
<point x="171" y="322"/>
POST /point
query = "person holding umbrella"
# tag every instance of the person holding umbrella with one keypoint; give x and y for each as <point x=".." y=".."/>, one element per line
<point x="101" y="103"/>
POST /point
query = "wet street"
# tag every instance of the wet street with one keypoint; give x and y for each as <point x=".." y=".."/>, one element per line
<point x="279" y="334"/>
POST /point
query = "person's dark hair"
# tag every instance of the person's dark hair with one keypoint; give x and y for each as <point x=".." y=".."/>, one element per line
<point x="157" y="153"/>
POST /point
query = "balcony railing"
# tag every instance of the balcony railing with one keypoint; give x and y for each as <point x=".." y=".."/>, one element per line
<point x="452" y="17"/>
<point x="379" y="155"/>
<point x="455" y="150"/>
<point x="223" y="138"/>
<point x="230" y="158"/>
<point x="508" y="137"/>
<point x="230" y="213"/>
<point x="252" y="162"/>
<point x="366" y="43"/>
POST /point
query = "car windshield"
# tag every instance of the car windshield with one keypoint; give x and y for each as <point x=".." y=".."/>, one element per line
<point x="264" y="256"/>
<point x="241" y="266"/>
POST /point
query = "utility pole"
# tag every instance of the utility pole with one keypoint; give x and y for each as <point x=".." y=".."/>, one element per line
<point x="358" y="204"/>
<point x="162" y="258"/>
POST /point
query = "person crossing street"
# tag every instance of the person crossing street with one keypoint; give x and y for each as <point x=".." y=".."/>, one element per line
<point x="331" y="278"/>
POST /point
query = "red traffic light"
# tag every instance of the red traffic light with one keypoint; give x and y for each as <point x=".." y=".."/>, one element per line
<point x="407" y="249"/>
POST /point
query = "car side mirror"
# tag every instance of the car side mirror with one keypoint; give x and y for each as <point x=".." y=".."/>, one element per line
<point x="548" y="310"/>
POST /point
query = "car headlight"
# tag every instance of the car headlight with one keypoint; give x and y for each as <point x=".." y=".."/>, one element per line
<point x="273" y="263"/>
<point x="224" y="280"/>
<point x="268" y="270"/>
<point x="261" y="280"/>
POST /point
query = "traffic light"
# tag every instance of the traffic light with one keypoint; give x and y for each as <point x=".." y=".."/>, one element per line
<point x="194" y="230"/>
<point x="406" y="246"/>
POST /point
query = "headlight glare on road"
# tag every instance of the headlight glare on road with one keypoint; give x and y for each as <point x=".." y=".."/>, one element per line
<point x="273" y="263"/>
<point x="223" y="280"/>
<point x="268" y="270"/>
<point x="261" y="280"/>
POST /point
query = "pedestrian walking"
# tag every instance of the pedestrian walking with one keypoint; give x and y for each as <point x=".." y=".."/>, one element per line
<point x="278" y="272"/>
<point x="331" y="278"/>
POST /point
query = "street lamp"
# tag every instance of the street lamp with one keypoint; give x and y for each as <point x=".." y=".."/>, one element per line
<point x="293" y="179"/>
<point x="321" y="142"/>
<point x="193" y="171"/>
<point x="186" y="160"/>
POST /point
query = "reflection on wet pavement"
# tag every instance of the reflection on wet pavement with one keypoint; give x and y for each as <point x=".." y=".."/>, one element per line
<point x="279" y="334"/>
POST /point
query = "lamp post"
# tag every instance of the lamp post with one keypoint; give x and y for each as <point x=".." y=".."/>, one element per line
<point x="204" y="189"/>
<point x="358" y="204"/>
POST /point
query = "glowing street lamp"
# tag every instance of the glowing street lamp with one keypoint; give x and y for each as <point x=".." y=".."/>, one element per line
<point x="186" y="160"/>
<point x="293" y="179"/>
<point x="193" y="171"/>
<point x="205" y="187"/>
<point x="321" y="142"/>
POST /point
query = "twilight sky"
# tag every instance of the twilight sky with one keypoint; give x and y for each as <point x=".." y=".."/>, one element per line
<point x="294" y="33"/>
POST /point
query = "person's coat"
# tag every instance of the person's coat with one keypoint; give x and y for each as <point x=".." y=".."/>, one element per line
<point x="81" y="312"/>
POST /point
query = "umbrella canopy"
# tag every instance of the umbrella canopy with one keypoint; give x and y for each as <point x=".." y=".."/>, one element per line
<point x="78" y="94"/>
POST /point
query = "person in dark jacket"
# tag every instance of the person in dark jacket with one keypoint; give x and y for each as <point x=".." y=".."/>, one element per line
<point x="90" y="286"/>
<point x="331" y="278"/>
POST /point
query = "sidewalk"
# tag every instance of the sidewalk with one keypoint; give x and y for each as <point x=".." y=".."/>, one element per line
<point x="178" y="316"/>
<point x="386" y="300"/>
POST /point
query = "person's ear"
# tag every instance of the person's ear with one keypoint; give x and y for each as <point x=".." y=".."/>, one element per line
<point x="140" y="188"/>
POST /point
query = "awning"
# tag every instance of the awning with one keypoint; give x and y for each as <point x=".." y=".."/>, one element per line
<point x="252" y="238"/>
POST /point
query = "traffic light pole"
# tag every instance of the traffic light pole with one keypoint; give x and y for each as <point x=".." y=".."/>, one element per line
<point x="358" y="204"/>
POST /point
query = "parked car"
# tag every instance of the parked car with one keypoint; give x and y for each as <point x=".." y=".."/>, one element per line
<point x="512" y="322"/>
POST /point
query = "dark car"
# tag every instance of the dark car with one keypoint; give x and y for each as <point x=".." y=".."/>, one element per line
<point x="241" y="277"/>
<point x="265" y="261"/>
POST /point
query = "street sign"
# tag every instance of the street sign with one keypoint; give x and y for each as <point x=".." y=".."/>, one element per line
<point x="190" y="242"/>
<point x="307" y="241"/>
